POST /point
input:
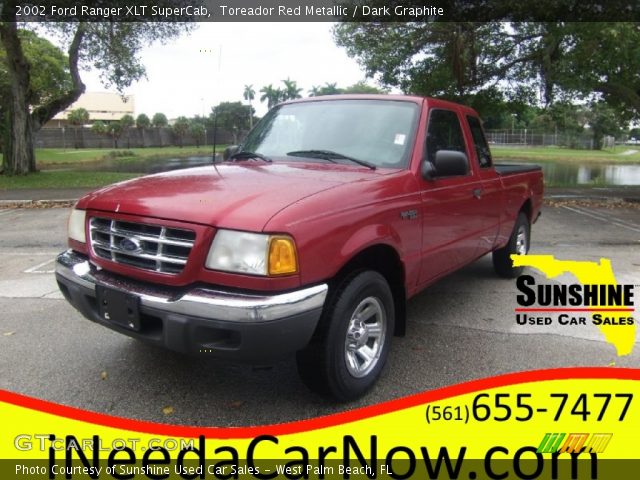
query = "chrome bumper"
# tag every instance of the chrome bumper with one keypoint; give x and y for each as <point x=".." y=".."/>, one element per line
<point x="198" y="302"/>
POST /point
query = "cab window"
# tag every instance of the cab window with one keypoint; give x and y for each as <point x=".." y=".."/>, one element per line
<point x="480" y="142"/>
<point x="444" y="133"/>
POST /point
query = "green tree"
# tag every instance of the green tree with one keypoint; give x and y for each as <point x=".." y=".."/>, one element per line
<point x="233" y="117"/>
<point x="111" y="129"/>
<point x="159" y="120"/>
<point x="602" y="58"/>
<point x="603" y="120"/>
<point x="249" y="94"/>
<point x="271" y="95"/>
<point x="438" y="59"/>
<point x="49" y="78"/>
<point x="180" y="128"/>
<point x="291" y="90"/>
<point x="126" y="122"/>
<point x="111" y="47"/>
<point x="494" y="62"/>
<point x="362" y="87"/>
<point x="77" y="118"/>
<point x="142" y="121"/>
<point x="197" y="131"/>
<point x="326" y="89"/>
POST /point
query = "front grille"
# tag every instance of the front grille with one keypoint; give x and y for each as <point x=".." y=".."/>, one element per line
<point x="150" y="247"/>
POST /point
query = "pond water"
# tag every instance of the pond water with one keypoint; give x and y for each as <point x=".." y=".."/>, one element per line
<point x="556" y="173"/>
<point x="601" y="175"/>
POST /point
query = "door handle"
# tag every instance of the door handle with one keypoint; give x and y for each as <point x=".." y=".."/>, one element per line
<point x="477" y="192"/>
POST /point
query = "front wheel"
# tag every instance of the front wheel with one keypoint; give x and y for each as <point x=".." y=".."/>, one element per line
<point x="518" y="245"/>
<point x="350" y="348"/>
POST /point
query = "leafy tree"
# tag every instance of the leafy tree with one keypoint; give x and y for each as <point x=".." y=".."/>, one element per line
<point x="77" y="117"/>
<point x="362" y="87"/>
<point x="603" y="120"/>
<point x="291" y="90"/>
<point x="110" y="47"/>
<point x="127" y="122"/>
<point x="180" y="128"/>
<point x="438" y="59"/>
<point x="197" y="132"/>
<point x="49" y="78"/>
<point x="142" y="121"/>
<point x="540" y="62"/>
<point x="249" y="94"/>
<point x="232" y="116"/>
<point x="603" y="58"/>
<point x="271" y="95"/>
<point x="159" y="120"/>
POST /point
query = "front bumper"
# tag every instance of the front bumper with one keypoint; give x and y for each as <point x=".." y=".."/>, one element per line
<point x="198" y="320"/>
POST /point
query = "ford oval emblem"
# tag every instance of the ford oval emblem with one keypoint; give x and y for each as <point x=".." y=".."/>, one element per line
<point x="130" y="245"/>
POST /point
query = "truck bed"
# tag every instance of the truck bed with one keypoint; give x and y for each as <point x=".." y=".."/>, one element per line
<point x="513" y="168"/>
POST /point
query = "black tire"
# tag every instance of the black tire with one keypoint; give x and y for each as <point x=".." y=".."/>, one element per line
<point x="334" y="363"/>
<point x="502" y="262"/>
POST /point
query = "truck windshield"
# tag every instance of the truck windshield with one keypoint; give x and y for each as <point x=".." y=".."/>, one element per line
<point x="379" y="132"/>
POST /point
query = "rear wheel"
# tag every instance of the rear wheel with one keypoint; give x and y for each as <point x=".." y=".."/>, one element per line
<point x="518" y="245"/>
<point x="350" y="348"/>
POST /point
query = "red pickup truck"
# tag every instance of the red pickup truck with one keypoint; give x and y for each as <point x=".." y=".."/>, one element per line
<point x="308" y="238"/>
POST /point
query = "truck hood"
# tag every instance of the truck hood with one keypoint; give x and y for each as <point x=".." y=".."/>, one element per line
<point x="239" y="196"/>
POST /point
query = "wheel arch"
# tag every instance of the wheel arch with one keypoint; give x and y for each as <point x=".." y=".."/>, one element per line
<point x="385" y="260"/>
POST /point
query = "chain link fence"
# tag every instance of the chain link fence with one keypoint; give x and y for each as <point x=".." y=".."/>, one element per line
<point x="532" y="138"/>
<point x="72" y="137"/>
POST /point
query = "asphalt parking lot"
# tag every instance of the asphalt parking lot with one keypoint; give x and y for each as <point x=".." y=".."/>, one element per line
<point x="461" y="328"/>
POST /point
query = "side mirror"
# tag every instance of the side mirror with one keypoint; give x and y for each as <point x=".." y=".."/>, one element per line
<point x="230" y="150"/>
<point x="449" y="163"/>
<point x="428" y="170"/>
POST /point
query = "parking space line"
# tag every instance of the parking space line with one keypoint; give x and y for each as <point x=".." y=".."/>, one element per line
<point x="602" y="218"/>
<point x="609" y="218"/>
<point x="36" y="268"/>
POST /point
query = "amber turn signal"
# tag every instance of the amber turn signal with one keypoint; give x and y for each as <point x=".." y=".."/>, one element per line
<point x="282" y="256"/>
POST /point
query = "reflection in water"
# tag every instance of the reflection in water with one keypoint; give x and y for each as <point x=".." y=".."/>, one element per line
<point x="147" y="165"/>
<point x="564" y="174"/>
<point x="601" y="174"/>
<point x="570" y="174"/>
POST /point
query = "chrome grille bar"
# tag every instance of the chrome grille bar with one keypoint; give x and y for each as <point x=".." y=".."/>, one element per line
<point x="147" y="246"/>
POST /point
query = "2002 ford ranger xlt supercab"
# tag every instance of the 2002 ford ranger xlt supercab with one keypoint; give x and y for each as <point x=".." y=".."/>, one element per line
<point x="308" y="238"/>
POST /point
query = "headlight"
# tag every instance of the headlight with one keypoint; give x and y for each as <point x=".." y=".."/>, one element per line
<point x="75" y="226"/>
<point x="252" y="253"/>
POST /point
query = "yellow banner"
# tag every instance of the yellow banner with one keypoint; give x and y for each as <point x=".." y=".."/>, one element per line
<point x="544" y="424"/>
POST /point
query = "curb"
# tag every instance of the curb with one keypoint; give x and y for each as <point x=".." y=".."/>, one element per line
<point x="38" y="203"/>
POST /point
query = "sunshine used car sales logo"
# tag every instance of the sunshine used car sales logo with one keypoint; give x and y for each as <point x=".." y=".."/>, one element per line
<point x="596" y="298"/>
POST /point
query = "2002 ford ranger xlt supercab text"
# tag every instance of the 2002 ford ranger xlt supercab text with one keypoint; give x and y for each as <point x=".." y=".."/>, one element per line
<point x="308" y="238"/>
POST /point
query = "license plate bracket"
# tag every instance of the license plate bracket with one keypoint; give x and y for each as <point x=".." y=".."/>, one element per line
<point x="120" y="308"/>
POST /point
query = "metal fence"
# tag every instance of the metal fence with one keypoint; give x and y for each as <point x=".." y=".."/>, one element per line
<point x="71" y="137"/>
<point x="536" y="139"/>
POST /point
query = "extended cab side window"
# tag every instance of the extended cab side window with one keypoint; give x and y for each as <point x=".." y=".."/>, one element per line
<point x="480" y="142"/>
<point x="444" y="133"/>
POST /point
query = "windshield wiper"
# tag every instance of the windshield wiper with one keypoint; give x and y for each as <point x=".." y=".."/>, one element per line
<point x="249" y="155"/>
<point x="330" y="155"/>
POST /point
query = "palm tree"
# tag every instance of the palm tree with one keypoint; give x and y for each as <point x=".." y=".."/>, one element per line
<point x="327" y="89"/>
<point x="271" y="95"/>
<point x="249" y="94"/>
<point x="291" y="89"/>
<point x="127" y="122"/>
<point x="77" y="117"/>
